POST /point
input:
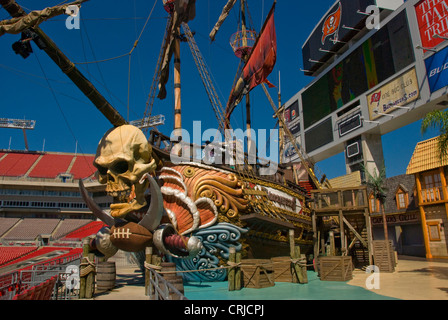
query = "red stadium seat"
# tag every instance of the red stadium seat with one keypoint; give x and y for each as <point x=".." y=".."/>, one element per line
<point x="83" y="167"/>
<point x="31" y="293"/>
<point x="51" y="165"/>
<point x="87" y="230"/>
<point x="38" y="291"/>
<point x="49" y="288"/>
<point x="17" y="164"/>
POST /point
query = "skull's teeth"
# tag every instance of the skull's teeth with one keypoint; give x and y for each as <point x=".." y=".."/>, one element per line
<point x="121" y="196"/>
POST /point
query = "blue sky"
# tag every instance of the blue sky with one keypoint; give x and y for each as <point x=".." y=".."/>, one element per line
<point x="36" y="89"/>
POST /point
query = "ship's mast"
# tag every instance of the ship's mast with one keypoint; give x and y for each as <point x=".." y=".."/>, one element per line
<point x="177" y="87"/>
<point x="16" y="11"/>
<point x="245" y="57"/>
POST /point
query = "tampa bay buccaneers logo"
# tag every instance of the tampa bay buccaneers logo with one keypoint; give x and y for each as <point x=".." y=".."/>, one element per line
<point x="331" y="25"/>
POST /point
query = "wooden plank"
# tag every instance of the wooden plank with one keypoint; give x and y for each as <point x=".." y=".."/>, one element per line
<point x="238" y="272"/>
<point x="257" y="273"/>
<point x="282" y="269"/>
<point x="231" y="274"/>
<point x="336" y="268"/>
<point x="355" y="232"/>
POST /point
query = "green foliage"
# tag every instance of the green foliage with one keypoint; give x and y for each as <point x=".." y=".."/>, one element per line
<point x="438" y="119"/>
<point x="376" y="182"/>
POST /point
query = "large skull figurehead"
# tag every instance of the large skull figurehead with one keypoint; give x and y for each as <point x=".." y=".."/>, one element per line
<point x="123" y="157"/>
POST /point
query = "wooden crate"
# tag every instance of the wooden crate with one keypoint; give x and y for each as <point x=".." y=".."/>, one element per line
<point x="338" y="268"/>
<point x="257" y="273"/>
<point x="282" y="269"/>
<point x="384" y="256"/>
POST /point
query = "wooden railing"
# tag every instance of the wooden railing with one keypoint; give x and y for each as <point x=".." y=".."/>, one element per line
<point x="339" y="199"/>
<point x="161" y="289"/>
<point x="432" y="195"/>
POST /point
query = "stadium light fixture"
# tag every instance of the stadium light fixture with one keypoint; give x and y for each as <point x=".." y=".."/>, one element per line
<point x="18" y="124"/>
<point x="149" y="122"/>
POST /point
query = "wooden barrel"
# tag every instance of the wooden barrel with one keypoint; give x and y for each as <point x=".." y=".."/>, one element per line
<point x="105" y="276"/>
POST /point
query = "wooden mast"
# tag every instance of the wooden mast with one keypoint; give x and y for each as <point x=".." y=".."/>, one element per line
<point x="114" y="117"/>
<point x="245" y="58"/>
<point x="281" y="114"/>
<point x="177" y="87"/>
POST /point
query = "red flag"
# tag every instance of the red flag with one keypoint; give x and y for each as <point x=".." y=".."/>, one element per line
<point x="259" y="66"/>
<point x="376" y="97"/>
<point x="331" y="24"/>
<point x="263" y="57"/>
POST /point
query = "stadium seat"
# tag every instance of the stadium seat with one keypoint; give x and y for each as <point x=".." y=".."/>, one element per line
<point x="17" y="164"/>
<point x="50" y="166"/>
<point x="31" y="292"/>
<point x="38" y="291"/>
<point x="49" y="288"/>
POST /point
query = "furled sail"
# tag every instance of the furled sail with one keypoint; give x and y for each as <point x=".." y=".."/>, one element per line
<point x="259" y="66"/>
<point x="34" y="18"/>
<point x="222" y="18"/>
<point x="183" y="11"/>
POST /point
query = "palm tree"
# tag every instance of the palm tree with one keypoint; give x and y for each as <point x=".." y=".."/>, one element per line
<point x="376" y="184"/>
<point x="438" y="119"/>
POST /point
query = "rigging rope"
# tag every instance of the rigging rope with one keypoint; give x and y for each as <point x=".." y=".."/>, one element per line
<point x="129" y="54"/>
<point x="133" y="47"/>
<point x="132" y="50"/>
<point x="61" y="110"/>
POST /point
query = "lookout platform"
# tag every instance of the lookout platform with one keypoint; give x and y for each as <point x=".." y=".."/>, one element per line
<point x="341" y="224"/>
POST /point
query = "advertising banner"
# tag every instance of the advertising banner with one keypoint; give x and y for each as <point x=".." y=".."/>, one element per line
<point x="289" y="152"/>
<point x="437" y="70"/>
<point x="398" y="92"/>
<point x="292" y="119"/>
<point x="432" y="19"/>
<point x="335" y="28"/>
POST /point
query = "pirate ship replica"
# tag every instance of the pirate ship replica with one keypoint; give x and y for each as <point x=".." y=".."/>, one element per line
<point x="199" y="207"/>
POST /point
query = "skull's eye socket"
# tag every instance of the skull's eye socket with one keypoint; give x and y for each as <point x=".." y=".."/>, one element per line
<point x="120" y="167"/>
<point x="101" y="170"/>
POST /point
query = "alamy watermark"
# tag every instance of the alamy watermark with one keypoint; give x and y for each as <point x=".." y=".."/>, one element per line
<point x="373" y="21"/>
<point x="373" y="280"/>
<point x="211" y="147"/>
<point x="73" y="21"/>
<point x="73" y="279"/>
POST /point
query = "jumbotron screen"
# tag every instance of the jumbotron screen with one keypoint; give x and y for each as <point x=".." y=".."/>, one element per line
<point x="390" y="48"/>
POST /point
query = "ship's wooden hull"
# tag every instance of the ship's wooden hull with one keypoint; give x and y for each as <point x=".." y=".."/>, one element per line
<point x="265" y="209"/>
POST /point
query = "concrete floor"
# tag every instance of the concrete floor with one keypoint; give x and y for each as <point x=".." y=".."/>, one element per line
<point x="413" y="279"/>
<point x="130" y="285"/>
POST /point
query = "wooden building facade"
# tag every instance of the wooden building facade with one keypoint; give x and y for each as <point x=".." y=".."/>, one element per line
<point x="402" y="216"/>
<point x="430" y="178"/>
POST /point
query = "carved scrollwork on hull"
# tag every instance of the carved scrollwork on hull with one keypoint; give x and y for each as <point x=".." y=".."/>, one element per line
<point x="225" y="189"/>
<point x="216" y="241"/>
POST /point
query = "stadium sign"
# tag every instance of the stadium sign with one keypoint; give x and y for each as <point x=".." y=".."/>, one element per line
<point x="437" y="70"/>
<point x="399" y="92"/>
<point x="432" y="17"/>
<point x="337" y="27"/>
